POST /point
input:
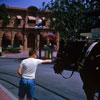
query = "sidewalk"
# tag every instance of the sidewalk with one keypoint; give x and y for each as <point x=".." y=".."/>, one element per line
<point x="24" y="54"/>
<point x="5" y="94"/>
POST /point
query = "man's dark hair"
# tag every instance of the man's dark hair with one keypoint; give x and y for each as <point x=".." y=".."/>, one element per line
<point x="31" y="52"/>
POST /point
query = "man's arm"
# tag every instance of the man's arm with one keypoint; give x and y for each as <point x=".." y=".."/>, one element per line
<point x="20" y="71"/>
<point x="46" y="61"/>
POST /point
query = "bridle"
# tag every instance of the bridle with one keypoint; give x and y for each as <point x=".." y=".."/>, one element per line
<point x="70" y="74"/>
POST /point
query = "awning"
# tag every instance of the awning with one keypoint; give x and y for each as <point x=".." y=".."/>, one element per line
<point x="43" y="18"/>
<point x="19" y="17"/>
<point x="31" y="18"/>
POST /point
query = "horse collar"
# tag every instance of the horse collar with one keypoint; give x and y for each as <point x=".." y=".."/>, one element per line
<point x="88" y="51"/>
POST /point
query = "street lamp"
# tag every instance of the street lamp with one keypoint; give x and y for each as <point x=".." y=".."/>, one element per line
<point x="38" y="27"/>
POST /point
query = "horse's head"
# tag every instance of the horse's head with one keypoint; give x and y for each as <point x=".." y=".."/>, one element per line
<point x="68" y="56"/>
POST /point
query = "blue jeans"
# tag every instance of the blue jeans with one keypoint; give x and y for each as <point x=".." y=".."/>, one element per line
<point x="26" y="87"/>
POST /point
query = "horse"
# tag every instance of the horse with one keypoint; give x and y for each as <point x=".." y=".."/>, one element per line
<point x="72" y="56"/>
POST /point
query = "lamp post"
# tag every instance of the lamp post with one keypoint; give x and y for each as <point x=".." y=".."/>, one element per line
<point x="38" y="27"/>
<point x="0" y="51"/>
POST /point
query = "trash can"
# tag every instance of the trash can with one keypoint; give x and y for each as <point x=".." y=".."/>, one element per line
<point x="51" y="52"/>
<point x="47" y="52"/>
<point x="0" y="51"/>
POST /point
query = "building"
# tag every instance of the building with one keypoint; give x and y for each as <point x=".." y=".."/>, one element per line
<point x="86" y="35"/>
<point x="28" y="28"/>
<point x="94" y="34"/>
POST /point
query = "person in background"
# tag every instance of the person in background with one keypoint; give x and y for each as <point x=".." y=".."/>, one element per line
<point x="26" y="71"/>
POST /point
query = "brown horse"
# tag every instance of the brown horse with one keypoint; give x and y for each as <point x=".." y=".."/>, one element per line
<point x="73" y="56"/>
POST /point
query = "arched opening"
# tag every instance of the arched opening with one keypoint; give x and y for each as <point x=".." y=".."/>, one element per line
<point x="18" y="40"/>
<point x="6" y="40"/>
<point x="31" y="40"/>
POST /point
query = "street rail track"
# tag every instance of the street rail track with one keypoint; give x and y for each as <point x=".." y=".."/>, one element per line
<point x="35" y="83"/>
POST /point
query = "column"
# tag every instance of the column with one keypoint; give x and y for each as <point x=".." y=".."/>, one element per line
<point x="37" y="41"/>
<point x="25" y="43"/>
<point x="58" y="38"/>
<point x="12" y="38"/>
<point x="1" y="35"/>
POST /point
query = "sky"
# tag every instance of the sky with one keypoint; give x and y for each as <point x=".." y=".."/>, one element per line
<point x="24" y="3"/>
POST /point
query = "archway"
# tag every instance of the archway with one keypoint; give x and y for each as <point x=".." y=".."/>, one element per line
<point x="18" y="39"/>
<point x="6" y="39"/>
<point x="31" y="40"/>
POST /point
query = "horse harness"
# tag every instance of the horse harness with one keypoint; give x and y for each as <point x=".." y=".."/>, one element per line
<point x="80" y="66"/>
<point x="86" y="55"/>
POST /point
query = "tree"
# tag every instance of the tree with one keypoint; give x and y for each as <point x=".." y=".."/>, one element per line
<point x="4" y="15"/>
<point x="71" y="16"/>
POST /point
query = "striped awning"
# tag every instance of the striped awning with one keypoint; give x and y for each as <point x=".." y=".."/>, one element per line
<point x="19" y="17"/>
<point x="43" y="18"/>
<point x="31" y="18"/>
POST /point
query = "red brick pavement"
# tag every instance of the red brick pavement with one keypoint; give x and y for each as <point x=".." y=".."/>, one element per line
<point x="4" y="96"/>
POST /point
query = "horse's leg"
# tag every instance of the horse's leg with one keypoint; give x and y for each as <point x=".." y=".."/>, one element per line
<point x="85" y="76"/>
<point x="99" y="96"/>
<point x="89" y="94"/>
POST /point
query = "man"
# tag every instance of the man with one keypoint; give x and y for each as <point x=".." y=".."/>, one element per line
<point x="26" y="71"/>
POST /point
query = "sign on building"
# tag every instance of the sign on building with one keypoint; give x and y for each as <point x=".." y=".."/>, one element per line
<point x="95" y="35"/>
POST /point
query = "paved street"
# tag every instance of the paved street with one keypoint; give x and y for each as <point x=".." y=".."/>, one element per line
<point x="49" y="86"/>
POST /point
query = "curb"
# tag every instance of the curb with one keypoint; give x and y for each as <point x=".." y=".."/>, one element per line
<point x="12" y="58"/>
<point x="8" y="93"/>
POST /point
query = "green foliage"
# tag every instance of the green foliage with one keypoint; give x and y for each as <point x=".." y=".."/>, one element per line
<point x="11" y="50"/>
<point x="71" y="16"/>
<point x="4" y="15"/>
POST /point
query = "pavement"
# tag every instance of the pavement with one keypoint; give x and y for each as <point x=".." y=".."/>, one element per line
<point x="4" y="93"/>
<point x="24" y="54"/>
